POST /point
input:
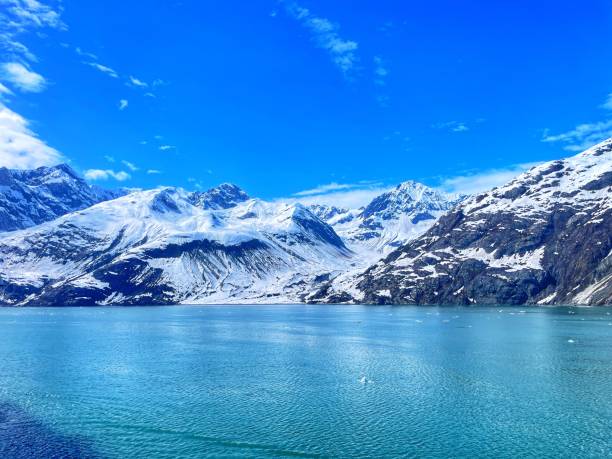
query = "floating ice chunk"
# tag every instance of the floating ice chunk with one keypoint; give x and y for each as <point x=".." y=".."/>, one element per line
<point x="365" y="380"/>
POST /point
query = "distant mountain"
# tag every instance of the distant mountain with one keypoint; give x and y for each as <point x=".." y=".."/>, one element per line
<point x="544" y="238"/>
<point x="391" y="219"/>
<point x="223" y="196"/>
<point x="31" y="197"/>
<point x="167" y="246"/>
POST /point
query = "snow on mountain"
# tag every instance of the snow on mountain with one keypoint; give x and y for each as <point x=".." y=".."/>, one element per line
<point x="390" y="220"/>
<point x="31" y="197"/>
<point x="223" y="196"/>
<point x="544" y="238"/>
<point x="157" y="247"/>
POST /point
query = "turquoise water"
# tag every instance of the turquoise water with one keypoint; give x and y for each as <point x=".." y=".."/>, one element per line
<point x="311" y="381"/>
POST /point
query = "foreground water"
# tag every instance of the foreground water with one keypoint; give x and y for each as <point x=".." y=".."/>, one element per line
<point x="274" y="381"/>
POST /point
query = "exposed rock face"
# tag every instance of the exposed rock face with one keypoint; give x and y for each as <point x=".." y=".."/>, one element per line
<point x="223" y="196"/>
<point x="156" y="247"/>
<point x="391" y="219"/>
<point x="31" y="197"/>
<point x="544" y="238"/>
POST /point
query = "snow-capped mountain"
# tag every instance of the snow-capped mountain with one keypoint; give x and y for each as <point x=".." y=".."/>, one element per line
<point x="157" y="247"/>
<point x="391" y="219"/>
<point x="223" y="196"/>
<point x="544" y="238"/>
<point x="31" y="197"/>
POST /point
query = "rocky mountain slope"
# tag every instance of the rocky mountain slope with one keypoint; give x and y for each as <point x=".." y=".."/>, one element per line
<point x="391" y="219"/>
<point x="223" y="196"/>
<point x="544" y="238"/>
<point x="167" y="246"/>
<point x="31" y="197"/>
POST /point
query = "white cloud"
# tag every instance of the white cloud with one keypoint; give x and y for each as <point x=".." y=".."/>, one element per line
<point x="380" y="71"/>
<point x="20" y="148"/>
<point x="137" y="82"/>
<point x="123" y="104"/>
<point x="103" y="68"/>
<point x="346" y="195"/>
<point x="321" y="189"/>
<point x="21" y="16"/>
<point x="5" y="91"/>
<point x="166" y="147"/>
<point x="110" y="159"/>
<point x="150" y="94"/>
<point x="105" y="174"/>
<point x="452" y="126"/>
<point x="326" y="36"/>
<point x="582" y="136"/>
<point x="32" y="13"/>
<point x="484" y="180"/>
<point x="349" y="199"/>
<point x="80" y="52"/>
<point x="23" y="78"/>
<point x="153" y="172"/>
<point x="608" y="103"/>
<point x="129" y="165"/>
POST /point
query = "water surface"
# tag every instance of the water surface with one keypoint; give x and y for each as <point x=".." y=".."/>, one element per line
<point x="310" y="381"/>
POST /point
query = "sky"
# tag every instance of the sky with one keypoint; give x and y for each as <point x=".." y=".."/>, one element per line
<point x="312" y="100"/>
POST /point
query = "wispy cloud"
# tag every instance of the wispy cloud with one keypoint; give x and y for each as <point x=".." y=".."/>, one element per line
<point x="110" y="159"/>
<point x="582" y="136"/>
<point x="103" y="68"/>
<point x="166" y="147"/>
<point x="4" y="91"/>
<point x="321" y="189"/>
<point x="105" y="174"/>
<point x="472" y="183"/>
<point x="80" y="52"/>
<point x="380" y="71"/>
<point x="20" y="148"/>
<point x="123" y="104"/>
<point x="23" y="78"/>
<point x="32" y="13"/>
<point x="129" y="165"/>
<point x="452" y="126"/>
<point x="195" y="182"/>
<point x="326" y="35"/>
<point x="346" y="195"/>
<point x="137" y="82"/>
<point x="21" y="16"/>
<point x="153" y="171"/>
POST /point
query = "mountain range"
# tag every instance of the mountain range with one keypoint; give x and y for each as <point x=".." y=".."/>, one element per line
<point x="543" y="238"/>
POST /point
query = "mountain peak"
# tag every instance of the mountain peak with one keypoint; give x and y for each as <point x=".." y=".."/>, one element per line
<point x="222" y="196"/>
<point x="34" y="196"/>
<point x="407" y="197"/>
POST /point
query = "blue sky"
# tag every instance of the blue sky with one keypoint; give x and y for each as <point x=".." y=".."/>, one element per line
<point x="302" y="98"/>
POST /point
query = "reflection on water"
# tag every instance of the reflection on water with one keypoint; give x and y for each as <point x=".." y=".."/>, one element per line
<point x="270" y="381"/>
